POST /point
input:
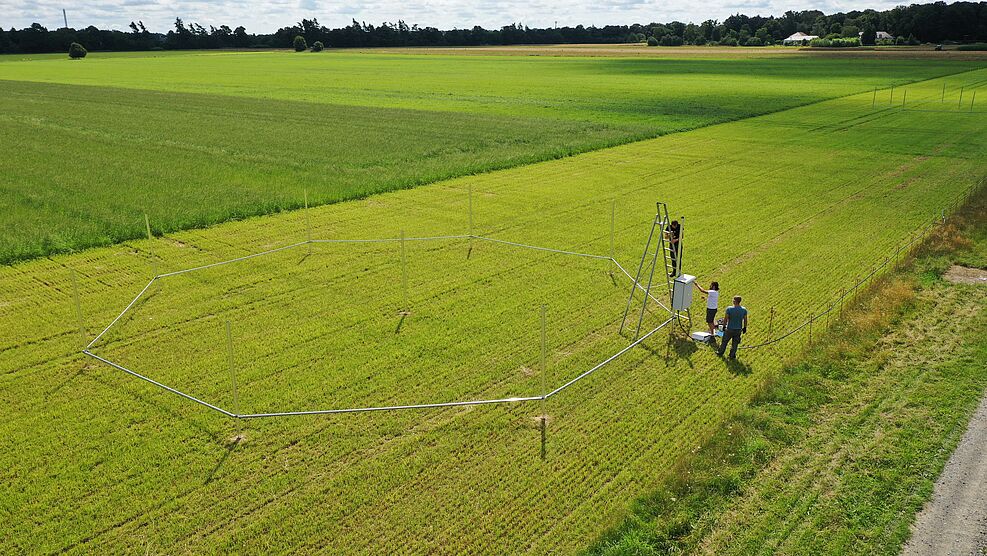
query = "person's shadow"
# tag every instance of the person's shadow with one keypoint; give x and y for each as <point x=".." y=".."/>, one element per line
<point x="738" y="367"/>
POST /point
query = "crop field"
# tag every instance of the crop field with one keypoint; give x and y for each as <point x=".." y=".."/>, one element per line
<point x="195" y="139"/>
<point x="785" y="208"/>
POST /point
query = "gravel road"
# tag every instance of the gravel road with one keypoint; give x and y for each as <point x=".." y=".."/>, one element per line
<point x="954" y="522"/>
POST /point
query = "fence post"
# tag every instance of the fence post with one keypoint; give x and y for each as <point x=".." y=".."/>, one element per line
<point x="891" y="98"/>
<point x="78" y="306"/>
<point x="229" y="357"/>
<point x="943" y="99"/>
<point x="613" y="220"/>
<point x="153" y="263"/>
<point x="972" y="100"/>
<point x="404" y="275"/>
<point x="308" y="224"/>
<point x="873" y="101"/>
<point x="904" y="95"/>
<point x="842" y="296"/>
<point x="469" y="193"/>
<point x="544" y="370"/>
<point x="959" y="103"/>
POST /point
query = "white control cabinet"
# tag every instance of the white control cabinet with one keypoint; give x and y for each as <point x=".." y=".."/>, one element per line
<point x="682" y="292"/>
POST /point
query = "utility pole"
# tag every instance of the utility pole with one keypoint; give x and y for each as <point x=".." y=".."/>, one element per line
<point x="66" y="18"/>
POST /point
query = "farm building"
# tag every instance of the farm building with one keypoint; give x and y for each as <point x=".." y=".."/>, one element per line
<point x="799" y="38"/>
<point x="880" y="36"/>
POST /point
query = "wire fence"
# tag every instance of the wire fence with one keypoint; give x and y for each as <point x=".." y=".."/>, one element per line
<point x="900" y="252"/>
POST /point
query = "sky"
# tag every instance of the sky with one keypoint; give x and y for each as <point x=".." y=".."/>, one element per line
<point x="265" y="16"/>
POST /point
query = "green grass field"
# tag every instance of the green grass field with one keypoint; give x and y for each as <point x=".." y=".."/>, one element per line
<point x="194" y="139"/>
<point x="785" y="209"/>
<point x="840" y="451"/>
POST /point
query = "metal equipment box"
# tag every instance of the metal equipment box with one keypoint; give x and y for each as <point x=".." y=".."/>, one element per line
<point x="682" y="292"/>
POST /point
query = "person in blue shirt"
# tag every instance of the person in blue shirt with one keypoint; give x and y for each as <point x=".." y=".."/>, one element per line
<point x="736" y="326"/>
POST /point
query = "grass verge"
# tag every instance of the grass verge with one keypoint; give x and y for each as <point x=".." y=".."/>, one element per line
<point x="838" y="453"/>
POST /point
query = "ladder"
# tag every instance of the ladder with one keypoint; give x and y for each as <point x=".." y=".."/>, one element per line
<point x="671" y="265"/>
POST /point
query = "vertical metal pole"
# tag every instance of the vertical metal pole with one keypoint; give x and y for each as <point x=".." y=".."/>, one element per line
<point x="153" y="262"/>
<point x="147" y="225"/>
<point x="613" y="219"/>
<point x="544" y="370"/>
<point x="229" y="356"/>
<point x="873" y="101"/>
<point x="943" y="98"/>
<point x="544" y="356"/>
<point x="308" y="224"/>
<point x="959" y="103"/>
<point x="404" y="273"/>
<point x="680" y="249"/>
<point x="78" y="306"/>
<point x="470" y="195"/>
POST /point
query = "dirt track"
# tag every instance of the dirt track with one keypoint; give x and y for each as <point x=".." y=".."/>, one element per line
<point x="954" y="522"/>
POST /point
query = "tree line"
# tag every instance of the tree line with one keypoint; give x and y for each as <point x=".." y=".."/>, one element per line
<point x="929" y="23"/>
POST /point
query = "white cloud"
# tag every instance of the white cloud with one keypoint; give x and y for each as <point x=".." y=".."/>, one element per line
<point x="267" y="16"/>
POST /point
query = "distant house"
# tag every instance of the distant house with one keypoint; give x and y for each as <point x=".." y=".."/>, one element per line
<point x="799" y="38"/>
<point x="881" y="36"/>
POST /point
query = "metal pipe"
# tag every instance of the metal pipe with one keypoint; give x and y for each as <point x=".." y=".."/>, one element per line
<point x="536" y="248"/>
<point x="158" y="384"/>
<point x="608" y="360"/>
<point x="127" y="308"/>
<point x="236" y="260"/>
<point x="389" y="408"/>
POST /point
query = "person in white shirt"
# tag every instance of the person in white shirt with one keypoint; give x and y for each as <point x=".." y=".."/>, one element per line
<point x="712" y="303"/>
